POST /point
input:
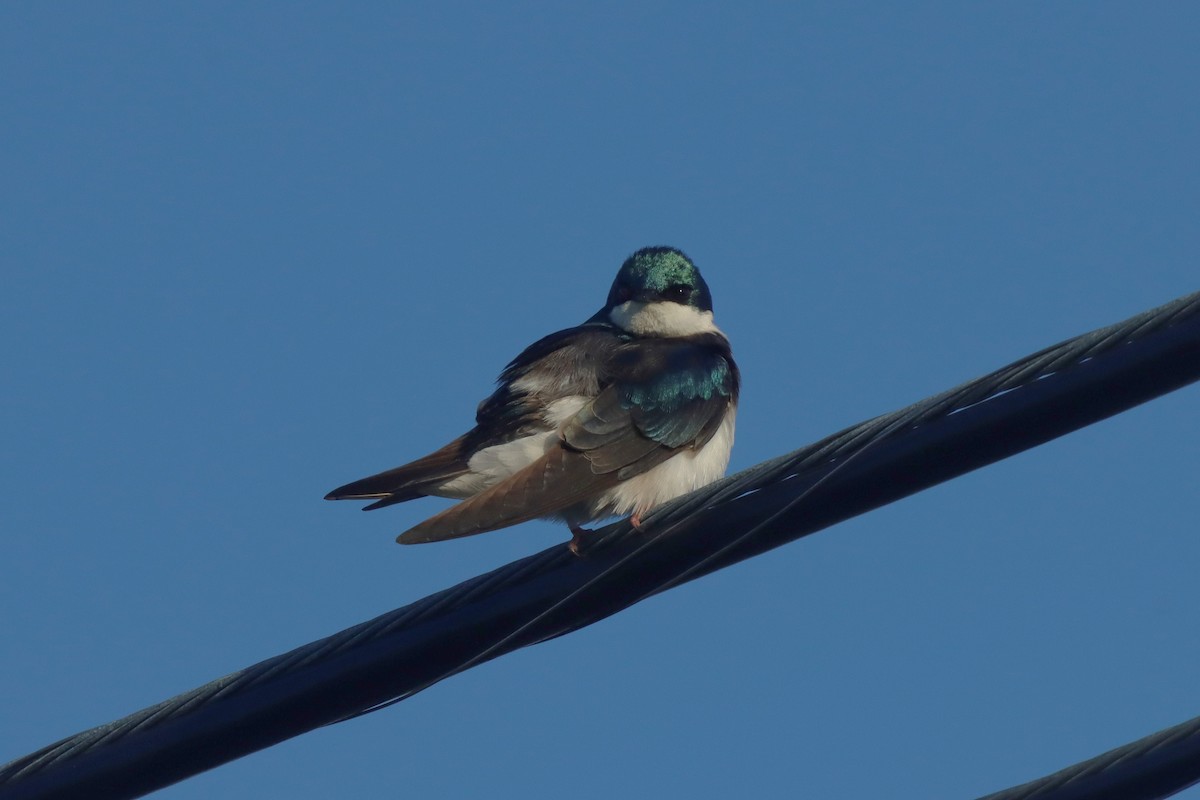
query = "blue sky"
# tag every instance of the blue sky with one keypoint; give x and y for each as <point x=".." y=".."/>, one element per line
<point x="251" y="252"/>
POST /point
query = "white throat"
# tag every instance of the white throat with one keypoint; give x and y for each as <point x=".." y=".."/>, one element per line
<point x="662" y="318"/>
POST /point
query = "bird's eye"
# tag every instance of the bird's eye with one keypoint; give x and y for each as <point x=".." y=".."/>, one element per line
<point x="624" y="293"/>
<point x="677" y="292"/>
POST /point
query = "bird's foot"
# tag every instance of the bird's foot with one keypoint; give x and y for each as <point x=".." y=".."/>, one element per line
<point x="577" y="535"/>
<point x="636" y="520"/>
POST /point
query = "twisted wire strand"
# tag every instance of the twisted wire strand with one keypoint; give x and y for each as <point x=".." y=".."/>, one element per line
<point x="1155" y="766"/>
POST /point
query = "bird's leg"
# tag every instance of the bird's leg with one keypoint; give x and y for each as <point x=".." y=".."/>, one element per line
<point x="636" y="520"/>
<point x="577" y="534"/>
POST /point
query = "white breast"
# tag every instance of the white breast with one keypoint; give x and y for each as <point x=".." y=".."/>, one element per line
<point x="683" y="473"/>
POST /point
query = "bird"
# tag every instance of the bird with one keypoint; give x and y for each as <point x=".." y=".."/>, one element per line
<point x="632" y="408"/>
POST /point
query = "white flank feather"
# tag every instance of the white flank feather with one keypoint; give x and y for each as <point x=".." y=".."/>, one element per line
<point x="493" y="464"/>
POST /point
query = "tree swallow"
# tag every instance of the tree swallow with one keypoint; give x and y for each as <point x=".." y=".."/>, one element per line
<point x="632" y="408"/>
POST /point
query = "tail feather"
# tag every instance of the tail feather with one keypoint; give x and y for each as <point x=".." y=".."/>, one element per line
<point x="408" y="482"/>
<point x="554" y="482"/>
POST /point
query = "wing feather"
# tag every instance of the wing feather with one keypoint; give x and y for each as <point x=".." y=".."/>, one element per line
<point x="560" y="365"/>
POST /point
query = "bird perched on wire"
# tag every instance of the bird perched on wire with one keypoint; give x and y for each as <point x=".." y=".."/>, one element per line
<point x="616" y="416"/>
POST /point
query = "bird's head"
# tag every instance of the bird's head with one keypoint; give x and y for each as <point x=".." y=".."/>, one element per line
<point x="659" y="292"/>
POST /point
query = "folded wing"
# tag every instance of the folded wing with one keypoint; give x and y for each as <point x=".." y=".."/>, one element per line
<point x="663" y="396"/>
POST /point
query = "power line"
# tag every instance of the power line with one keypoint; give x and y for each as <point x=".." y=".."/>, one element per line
<point x="1031" y="401"/>
<point x="1158" y="765"/>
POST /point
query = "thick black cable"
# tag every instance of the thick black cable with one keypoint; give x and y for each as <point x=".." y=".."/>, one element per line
<point x="1158" y="765"/>
<point x="1031" y="401"/>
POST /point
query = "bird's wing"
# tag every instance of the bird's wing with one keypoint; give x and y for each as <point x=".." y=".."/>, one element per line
<point x="664" y="396"/>
<point x="556" y="366"/>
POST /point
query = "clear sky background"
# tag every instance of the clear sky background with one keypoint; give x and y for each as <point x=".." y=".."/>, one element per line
<point x="253" y="251"/>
